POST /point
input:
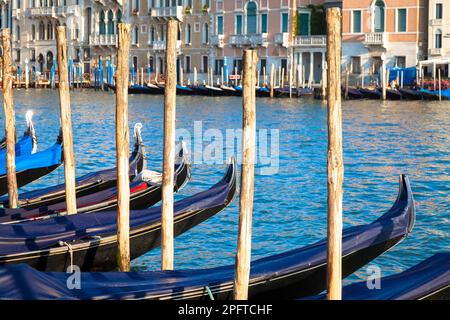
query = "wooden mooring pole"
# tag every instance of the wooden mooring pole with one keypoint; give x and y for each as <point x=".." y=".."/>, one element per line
<point x="122" y="149"/>
<point x="167" y="250"/>
<point x="272" y="79"/>
<point x="335" y="165"/>
<point x="66" y="122"/>
<point x="242" y="267"/>
<point x="10" y="125"/>
<point x="439" y="85"/>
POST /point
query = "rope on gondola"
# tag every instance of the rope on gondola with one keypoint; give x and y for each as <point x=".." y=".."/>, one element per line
<point x="208" y="290"/>
<point x="69" y="246"/>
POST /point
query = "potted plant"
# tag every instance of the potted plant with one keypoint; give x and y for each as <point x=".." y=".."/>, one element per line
<point x="188" y="10"/>
<point x="205" y="8"/>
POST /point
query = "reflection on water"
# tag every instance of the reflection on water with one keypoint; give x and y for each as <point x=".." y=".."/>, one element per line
<point x="381" y="141"/>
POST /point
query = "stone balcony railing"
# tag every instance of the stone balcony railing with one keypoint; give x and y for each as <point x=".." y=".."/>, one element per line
<point x="253" y="40"/>
<point x="435" y="52"/>
<point x="217" y="40"/>
<point x="53" y="12"/>
<point x="436" y="22"/>
<point x="165" y="13"/>
<point x="311" y="41"/>
<point x="282" y="39"/>
<point x="103" y="40"/>
<point x="375" y="39"/>
<point x="160" y="45"/>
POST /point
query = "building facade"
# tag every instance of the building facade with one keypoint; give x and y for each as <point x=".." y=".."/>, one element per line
<point x="212" y="34"/>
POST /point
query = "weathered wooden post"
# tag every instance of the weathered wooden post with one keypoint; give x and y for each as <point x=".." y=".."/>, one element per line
<point x="324" y="81"/>
<point x="439" y="84"/>
<point x="282" y="78"/>
<point x="383" y="78"/>
<point x="272" y="80"/>
<point x="66" y="122"/>
<point x="335" y="170"/>
<point x="290" y="82"/>
<point x="242" y="267"/>
<point x="195" y="76"/>
<point x="264" y="77"/>
<point x="347" y="75"/>
<point x="167" y="250"/>
<point x="122" y="149"/>
<point x="10" y="122"/>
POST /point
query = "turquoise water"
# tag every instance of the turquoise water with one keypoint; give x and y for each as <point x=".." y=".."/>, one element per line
<point x="381" y="141"/>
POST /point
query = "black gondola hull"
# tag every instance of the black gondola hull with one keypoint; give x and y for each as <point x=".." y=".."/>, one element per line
<point x="370" y="94"/>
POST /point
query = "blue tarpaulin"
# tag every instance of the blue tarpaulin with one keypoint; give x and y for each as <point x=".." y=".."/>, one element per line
<point x="409" y="75"/>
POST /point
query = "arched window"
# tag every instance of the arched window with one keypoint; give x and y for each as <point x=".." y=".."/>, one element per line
<point x="110" y="22"/>
<point x="135" y="35"/>
<point x="251" y="17"/>
<point x="205" y="35"/>
<point x="33" y="32"/>
<point x="187" y="38"/>
<point x="102" y="26"/>
<point x="378" y="16"/>
<point x="41" y="31"/>
<point x="438" y="39"/>
<point x="119" y="16"/>
<point x="49" y="31"/>
<point x="17" y="33"/>
<point x="151" y="37"/>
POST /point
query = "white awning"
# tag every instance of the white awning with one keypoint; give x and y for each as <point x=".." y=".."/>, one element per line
<point x="434" y="62"/>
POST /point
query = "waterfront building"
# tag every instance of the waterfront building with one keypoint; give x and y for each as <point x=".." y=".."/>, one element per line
<point x="373" y="30"/>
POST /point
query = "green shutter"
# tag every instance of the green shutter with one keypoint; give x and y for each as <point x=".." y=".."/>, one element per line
<point x="357" y="21"/>
<point x="303" y="24"/>
<point x="285" y="22"/>
<point x="238" y="24"/>
<point x="401" y="20"/>
<point x="264" y="23"/>
<point x="220" y="25"/>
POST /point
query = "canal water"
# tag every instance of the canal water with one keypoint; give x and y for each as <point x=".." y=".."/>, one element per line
<point x="381" y="141"/>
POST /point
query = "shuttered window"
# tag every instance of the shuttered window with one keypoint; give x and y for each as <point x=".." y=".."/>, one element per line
<point x="401" y="20"/>
<point x="356" y="21"/>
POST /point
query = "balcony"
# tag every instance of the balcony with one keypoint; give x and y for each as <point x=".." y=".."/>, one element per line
<point x="16" y="13"/>
<point x="160" y="45"/>
<point x="435" y="52"/>
<point x="217" y="40"/>
<point x="282" y="39"/>
<point x="375" y="39"/>
<point x="436" y="22"/>
<point x="53" y="12"/>
<point x="103" y="40"/>
<point x="252" y="40"/>
<point x="165" y="13"/>
<point x="310" y="41"/>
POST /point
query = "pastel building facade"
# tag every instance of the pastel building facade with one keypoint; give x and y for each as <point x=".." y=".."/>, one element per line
<point x="375" y="30"/>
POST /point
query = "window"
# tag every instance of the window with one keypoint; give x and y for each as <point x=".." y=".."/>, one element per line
<point x="237" y="64"/>
<point x="135" y="63"/>
<point x="264" y="27"/>
<point x="284" y="22"/>
<point x="400" y="61"/>
<point x="238" y="24"/>
<point x="110" y="22"/>
<point x="438" y="10"/>
<point x="102" y="25"/>
<point x="438" y="39"/>
<point x="17" y="33"/>
<point x="33" y="32"/>
<point x="187" y="38"/>
<point x="205" y="64"/>
<point x="379" y="16"/>
<point x="303" y="24"/>
<point x="17" y="55"/>
<point x="151" y="37"/>
<point x="33" y="55"/>
<point x="376" y="65"/>
<point x="187" y="64"/>
<point x="218" y="65"/>
<point x="356" y="21"/>
<point x="263" y="64"/>
<point x="77" y="55"/>
<point x="119" y="16"/>
<point x="220" y="25"/>
<point x="205" y="35"/>
<point x="401" y="20"/>
<point x="251" y="17"/>
<point x="355" y="65"/>
<point x="135" y="35"/>
<point x="284" y="65"/>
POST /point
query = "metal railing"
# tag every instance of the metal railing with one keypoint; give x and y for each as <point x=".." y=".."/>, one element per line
<point x="310" y="40"/>
<point x="258" y="39"/>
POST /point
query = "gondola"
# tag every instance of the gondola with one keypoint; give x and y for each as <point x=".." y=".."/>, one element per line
<point x="145" y="191"/>
<point x="238" y="90"/>
<point x="89" y="240"/>
<point x="263" y="92"/>
<point x="26" y="145"/>
<point x="297" y="273"/>
<point x="184" y="90"/>
<point x="32" y="167"/>
<point x="304" y="92"/>
<point x="86" y="184"/>
<point x="138" y="89"/>
<point x="428" y="280"/>
<point x="434" y="95"/>
<point x="370" y="94"/>
<point x="228" y="91"/>
<point x="200" y="90"/>
<point x="391" y="94"/>
<point x="410" y="94"/>
<point x="353" y="94"/>
<point x="214" y="91"/>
